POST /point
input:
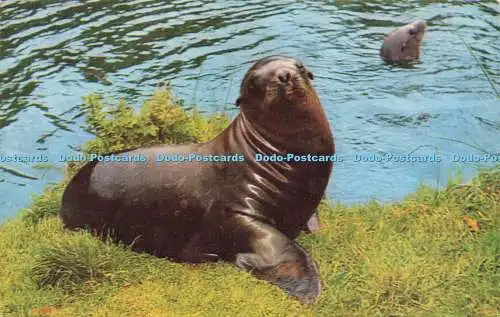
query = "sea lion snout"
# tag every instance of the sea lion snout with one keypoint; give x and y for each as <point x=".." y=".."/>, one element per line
<point x="417" y="29"/>
<point x="419" y="25"/>
<point x="274" y="80"/>
<point x="289" y="78"/>
<point x="297" y="72"/>
<point x="284" y="75"/>
<point x="291" y="85"/>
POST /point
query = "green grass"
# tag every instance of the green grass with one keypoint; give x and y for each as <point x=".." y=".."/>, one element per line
<point x="416" y="257"/>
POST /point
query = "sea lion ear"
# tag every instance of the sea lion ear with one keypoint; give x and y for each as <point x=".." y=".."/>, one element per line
<point x="310" y="75"/>
<point x="238" y="101"/>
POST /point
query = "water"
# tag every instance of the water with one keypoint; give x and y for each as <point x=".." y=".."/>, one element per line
<point x="54" y="52"/>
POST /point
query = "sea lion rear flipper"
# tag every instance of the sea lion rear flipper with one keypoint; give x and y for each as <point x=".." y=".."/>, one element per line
<point x="313" y="223"/>
<point x="196" y="251"/>
<point x="282" y="262"/>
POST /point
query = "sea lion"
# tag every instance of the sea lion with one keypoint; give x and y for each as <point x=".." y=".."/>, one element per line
<point x="246" y="212"/>
<point x="403" y="44"/>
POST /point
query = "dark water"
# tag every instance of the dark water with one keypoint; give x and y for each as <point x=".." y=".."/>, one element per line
<point x="54" y="52"/>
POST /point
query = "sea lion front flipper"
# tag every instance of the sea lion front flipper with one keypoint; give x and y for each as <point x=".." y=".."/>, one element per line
<point x="280" y="261"/>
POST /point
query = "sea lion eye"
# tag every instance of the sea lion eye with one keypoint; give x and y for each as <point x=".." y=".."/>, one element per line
<point x="412" y="31"/>
<point x="310" y="75"/>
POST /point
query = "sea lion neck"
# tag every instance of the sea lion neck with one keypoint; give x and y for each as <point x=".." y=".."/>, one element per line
<point x="256" y="135"/>
<point x="307" y="131"/>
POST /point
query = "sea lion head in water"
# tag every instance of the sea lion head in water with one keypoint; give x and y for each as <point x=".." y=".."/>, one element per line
<point x="245" y="212"/>
<point x="403" y="44"/>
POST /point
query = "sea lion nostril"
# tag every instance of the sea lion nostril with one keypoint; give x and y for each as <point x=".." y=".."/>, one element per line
<point x="284" y="76"/>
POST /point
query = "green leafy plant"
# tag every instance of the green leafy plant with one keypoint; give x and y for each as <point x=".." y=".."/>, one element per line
<point x="161" y="120"/>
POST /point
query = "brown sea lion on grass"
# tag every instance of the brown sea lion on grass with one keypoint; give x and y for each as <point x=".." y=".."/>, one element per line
<point x="245" y="212"/>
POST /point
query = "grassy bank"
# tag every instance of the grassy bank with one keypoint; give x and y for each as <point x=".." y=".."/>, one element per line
<point x="436" y="253"/>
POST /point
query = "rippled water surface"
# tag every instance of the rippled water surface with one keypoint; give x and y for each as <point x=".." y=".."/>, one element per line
<point x="54" y="52"/>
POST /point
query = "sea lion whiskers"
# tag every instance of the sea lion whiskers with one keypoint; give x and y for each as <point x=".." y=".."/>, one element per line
<point x="287" y="89"/>
<point x="275" y="92"/>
